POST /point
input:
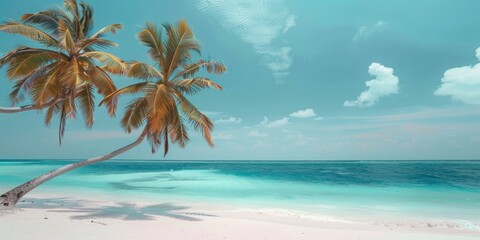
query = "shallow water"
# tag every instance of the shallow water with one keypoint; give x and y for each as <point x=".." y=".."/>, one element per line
<point x="445" y="190"/>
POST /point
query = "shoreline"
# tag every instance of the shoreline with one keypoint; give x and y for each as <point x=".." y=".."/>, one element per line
<point x="107" y="217"/>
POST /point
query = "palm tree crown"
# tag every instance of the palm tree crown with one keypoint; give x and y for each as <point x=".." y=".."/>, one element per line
<point x="64" y="74"/>
<point x="163" y="106"/>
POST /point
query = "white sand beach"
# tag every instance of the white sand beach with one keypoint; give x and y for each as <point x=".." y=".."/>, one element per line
<point x="59" y="218"/>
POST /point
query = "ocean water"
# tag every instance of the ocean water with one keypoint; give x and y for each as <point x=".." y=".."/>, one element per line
<point x="444" y="190"/>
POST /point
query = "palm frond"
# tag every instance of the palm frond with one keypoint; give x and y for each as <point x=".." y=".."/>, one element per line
<point x="165" y="141"/>
<point x="63" y="27"/>
<point x="68" y="42"/>
<point x="199" y="120"/>
<point x="52" y="110"/>
<point x="86" y="20"/>
<point x="152" y="38"/>
<point x="46" y="19"/>
<point x="29" y="60"/>
<point x="112" y="63"/>
<point x="86" y="100"/>
<point x="211" y="67"/>
<point x="22" y="87"/>
<point x="102" y="81"/>
<point x="180" y="42"/>
<point x="70" y="105"/>
<point x="22" y="51"/>
<point x="105" y="86"/>
<point x="161" y="100"/>
<point x="193" y="86"/>
<point x="112" y="28"/>
<point x="63" y="119"/>
<point x="45" y="88"/>
<point x="94" y="42"/>
<point x="29" y="32"/>
<point x="142" y="87"/>
<point x="153" y="138"/>
<point x="64" y="16"/>
<point x="135" y="114"/>
<point x="72" y="7"/>
<point x="143" y="71"/>
<point x="162" y="103"/>
<point x="15" y="52"/>
<point x="69" y="76"/>
<point x="177" y="129"/>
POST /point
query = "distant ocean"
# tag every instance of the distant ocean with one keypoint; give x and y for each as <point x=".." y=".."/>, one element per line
<point x="447" y="190"/>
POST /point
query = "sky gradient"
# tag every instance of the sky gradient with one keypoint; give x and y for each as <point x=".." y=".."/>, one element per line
<point x="306" y="80"/>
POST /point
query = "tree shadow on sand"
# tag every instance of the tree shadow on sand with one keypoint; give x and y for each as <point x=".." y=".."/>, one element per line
<point x="128" y="211"/>
<point x="119" y="210"/>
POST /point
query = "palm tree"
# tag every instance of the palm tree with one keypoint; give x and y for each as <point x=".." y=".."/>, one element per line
<point x="64" y="74"/>
<point x="162" y="107"/>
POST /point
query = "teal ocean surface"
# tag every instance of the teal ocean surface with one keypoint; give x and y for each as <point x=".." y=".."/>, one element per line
<point x="447" y="190"/>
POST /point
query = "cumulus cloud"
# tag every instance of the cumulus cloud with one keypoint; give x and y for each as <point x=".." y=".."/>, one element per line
<point x="307" y="113"/>
<point x="256" y="133"/>
<point x="384" y="84"/>
<point x="365" y="31"/>
<point x="260" y="23"/>
<point x="318" y="118"/>
<point x="462" y="83"/>
<point x="229" y="120"/>
<point x="271" y="124"/>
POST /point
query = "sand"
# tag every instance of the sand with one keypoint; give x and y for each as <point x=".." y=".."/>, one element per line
<point x="61" y="218"/>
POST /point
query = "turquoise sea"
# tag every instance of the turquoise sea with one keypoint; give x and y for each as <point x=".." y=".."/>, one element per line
<point x="444" y="190"/>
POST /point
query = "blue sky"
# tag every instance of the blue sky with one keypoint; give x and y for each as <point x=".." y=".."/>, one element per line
<point x="306" y="80"/>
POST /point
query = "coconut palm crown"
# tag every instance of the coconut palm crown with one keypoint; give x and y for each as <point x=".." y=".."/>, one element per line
<point x="63" y="73"/>
<point x="163" y="107"/>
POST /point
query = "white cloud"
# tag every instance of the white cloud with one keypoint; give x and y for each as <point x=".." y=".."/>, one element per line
<point x="229" y="120"/>
<point x="224" y="136"/>
<point x="307" y="113"/>
<point x="290" y="23"/>
<point x="271" y="124"/>
<point x="260" y="23"/>
<point x="365" y="31"/>
<point x="256" y="133"/>
<point x="384" y="84"/>
<point x="462" y="83"/>
<point x="318" y="118"/>
<point x="264" y="121"/>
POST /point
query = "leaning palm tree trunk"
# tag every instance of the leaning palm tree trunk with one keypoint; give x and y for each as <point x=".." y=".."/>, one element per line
<point x="10" y="198"/>
<point x="26" y="107"/>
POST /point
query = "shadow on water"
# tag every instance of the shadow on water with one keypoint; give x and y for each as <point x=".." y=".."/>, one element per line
<point x="119" y="210"/>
